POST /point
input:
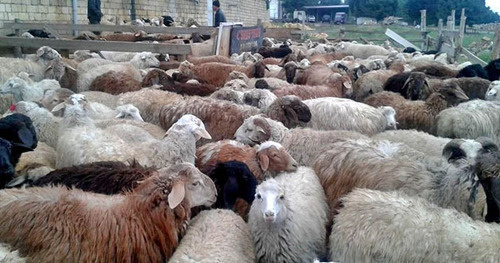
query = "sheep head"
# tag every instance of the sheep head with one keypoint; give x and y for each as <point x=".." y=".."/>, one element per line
<point x="390" y="115"/>
<point x="185" y="68"/>
<point x="488" y="172"/>
<point x="15" y="86"/>
<point x="52" y="98"/>
<point x="238" y="75"/>
<point x="128" y="111"/>
<point x="270" y="200"/>
<point x="254" y="130"/>
<point x="46" y="53"/>
<point x="493" y="91"/>
<point x="290" y="110"/>
<point x="418" y="88"/>
<point x="290" y="71"/>
<point x="259" y="98"/>
<point x="192" y="124"/>
<point x="228" y="94"/>
<point x="452" y="93"/>
<point x="259" y="69"/>
<point x="233" y="180"/>
<point x="237" y="84"/>
<point x="6" y="166"/>
<point x="274" y="158"/>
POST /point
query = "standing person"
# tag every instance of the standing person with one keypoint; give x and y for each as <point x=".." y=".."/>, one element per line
<point x="219" y="15"/>
<point x="94" y="11"/>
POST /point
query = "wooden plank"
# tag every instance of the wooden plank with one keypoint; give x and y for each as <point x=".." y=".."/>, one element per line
<point x="96" y="45"/>
<point x="495" y="53"/>
<point x="224" y="43"/>
<point x="400" y="40"/>
<point x="126" y="28"/>
<point x="448" y="49"/>
<point x="473" y="58"/>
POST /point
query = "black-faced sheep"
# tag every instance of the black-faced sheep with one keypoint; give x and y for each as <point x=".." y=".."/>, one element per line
<point x="288" y="218"/>
<point x="151" y="219"/>
<point x="471" y="71"/>
<point x="411" y="85"/>
<point x="373" y="81"/>
<point x="493" y="69"/>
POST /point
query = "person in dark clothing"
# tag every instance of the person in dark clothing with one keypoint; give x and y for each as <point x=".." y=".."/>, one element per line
<point x="94" y="11"/>
<point x="219" y="15"/>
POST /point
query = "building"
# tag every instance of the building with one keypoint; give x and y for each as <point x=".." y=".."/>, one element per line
<point x="275" y="9"/>
<point x="60" y="11"/>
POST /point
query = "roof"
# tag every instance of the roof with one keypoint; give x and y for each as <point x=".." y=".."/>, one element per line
<point x="325" y="6"/>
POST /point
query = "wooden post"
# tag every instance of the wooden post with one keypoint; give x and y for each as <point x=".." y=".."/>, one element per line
<point x="423" y="28"/>
<point x="341" y="34"/>
<point x="453" y="19"/>
<point x="460" y="34"/>
<point x="448" y="23"/>
<point x="439" y="40"/>
<point x="495" y="53"/>
<point x="17" y="50"/>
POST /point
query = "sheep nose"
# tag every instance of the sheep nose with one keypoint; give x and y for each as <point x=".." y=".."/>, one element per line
<point x="269" y="213"/>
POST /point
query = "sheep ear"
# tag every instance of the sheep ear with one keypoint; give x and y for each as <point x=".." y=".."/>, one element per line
<point x="25" y="135"/>
<point x="176" y="195"/>
<point x="58" y="108"/>
<point x="230" y="192"/>
<point x="406" y="82"/>
<point x="264" y="162"/>
<point x="40" y="52"/>
<point x="452" y="151"/>
<point x="202" y="133"/>
<point x="18" y="181"/>
<point x="119" y="115"/>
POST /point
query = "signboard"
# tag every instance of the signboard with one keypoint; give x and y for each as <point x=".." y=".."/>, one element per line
<point x="246" y="39"/>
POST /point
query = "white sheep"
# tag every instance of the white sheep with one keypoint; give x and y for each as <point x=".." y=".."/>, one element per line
<point x="418" y="140"/>
<point x="215" y="236"/>
<point x="393" y="227"/>
<point x="344" y="114"/>
<point x="23" y="90"/>
<point x="360" y="50"/>
<point x="81" y="142"/>
<point x="288" y="218"/>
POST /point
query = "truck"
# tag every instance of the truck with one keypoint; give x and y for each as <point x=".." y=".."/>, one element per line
<point x="299" y="16"/>
<point x="340" y="18"/>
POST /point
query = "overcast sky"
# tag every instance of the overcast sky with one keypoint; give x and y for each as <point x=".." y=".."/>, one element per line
<point x="494" y="5"/>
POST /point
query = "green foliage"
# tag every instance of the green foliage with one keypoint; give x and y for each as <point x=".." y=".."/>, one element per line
<point x="374" y="8"/>
<point x="291" y="5"/>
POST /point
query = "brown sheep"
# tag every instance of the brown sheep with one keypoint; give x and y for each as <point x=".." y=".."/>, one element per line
<point x="437" y="70"/>
<point x="57" y="224"/>
<point x="51" y="98"/>
<point x="419" y="115"/>
<point x="115" y="83"/>
<point x="217" y="74"/>
<point x="167" y="65"/>
<point x="69" y="78"/>
<point x="305" y="92"/>
<point x="222" y="118"/>
<point x="160" y="77"/>
<point x="127" y="37"/>
<point x="319" y="74"/>
<point x="208" y="59"/>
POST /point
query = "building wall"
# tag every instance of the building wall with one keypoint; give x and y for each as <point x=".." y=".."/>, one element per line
<point x="60" y="11"/>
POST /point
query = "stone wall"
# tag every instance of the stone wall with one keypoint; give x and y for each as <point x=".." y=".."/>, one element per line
<point x="60" y="11"/>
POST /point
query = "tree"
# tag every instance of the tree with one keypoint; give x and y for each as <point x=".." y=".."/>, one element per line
<point x="374" y="8"/>
<point x="291" y="5"/>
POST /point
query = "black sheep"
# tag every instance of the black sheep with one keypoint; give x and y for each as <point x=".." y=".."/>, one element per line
<point x="409" y="50"/>
<point x="411" y="85"/>
<point x="19" y="131"/>
<point x="6" y="165"/>
<point x="233" y="180"/>
<point x="275" y="52"/>
<point x="471" y="71"/>
<point x="493" y="69"/>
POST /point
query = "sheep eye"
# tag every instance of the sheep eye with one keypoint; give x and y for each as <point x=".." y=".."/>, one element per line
<point x="196" y="183"/>
<point x="282" y="197"/>
<point x="249" y="130"/>
<point x="259" y="196"/>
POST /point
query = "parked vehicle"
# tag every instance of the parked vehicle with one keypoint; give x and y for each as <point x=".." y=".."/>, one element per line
<point x="340" y="18"/>
<point x="311" y="19"/>
<point x="326" y="19"/>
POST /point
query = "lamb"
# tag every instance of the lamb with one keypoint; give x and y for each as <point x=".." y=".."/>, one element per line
<point x="470" y="120"/>
<point x="266" y="160"/>
<point x="115" y="83"/>
<point x="275" y="52"/>
<point x="352" y="164"/>
<point x="140" y="61"/>
<point x="345" y="114"/>
<point x="411" y="85"/>
<point x="206" y="71"/>
<point x="270" y="83"/>
<point x="304" y="145"/>
<point x="152" y="219"/>
<point x="419" y="115"/>
<point x="21" y="90"/>
<point x="160" y="77"/>
<point x="361" y="51"/>
<point x="215" y="236"/>
<point x="222" y="118"/>
<point x="373" y="81"/>
<point x="493" y="69"/>
<point x="417" y="140"/>
<point x="80" y="142"/>
<point x="412" y="229"/>
<point x="288" y="218"/>
<point x="492" y="94"/>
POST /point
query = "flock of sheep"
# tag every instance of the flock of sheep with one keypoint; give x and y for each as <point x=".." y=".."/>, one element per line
<point x="300" y="152"/>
